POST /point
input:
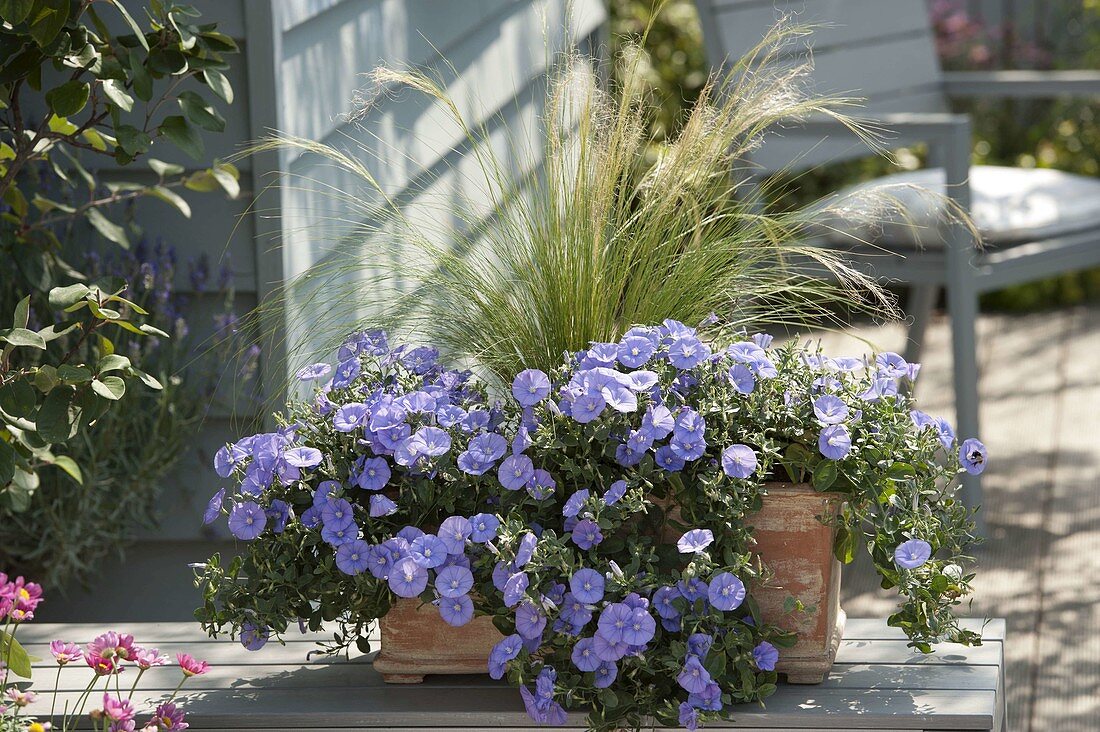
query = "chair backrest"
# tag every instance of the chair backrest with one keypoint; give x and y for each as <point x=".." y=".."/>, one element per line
<point x="882" y="51"/>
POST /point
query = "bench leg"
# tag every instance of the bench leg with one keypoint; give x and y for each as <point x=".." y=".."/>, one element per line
<point x="963" y="306"/>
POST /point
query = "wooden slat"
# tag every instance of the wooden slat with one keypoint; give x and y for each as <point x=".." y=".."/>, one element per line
<point x="992" y="629"/>
<point x="836" y="22"/>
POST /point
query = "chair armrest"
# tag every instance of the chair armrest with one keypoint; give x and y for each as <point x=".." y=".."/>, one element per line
<point x="1022" y="84"/>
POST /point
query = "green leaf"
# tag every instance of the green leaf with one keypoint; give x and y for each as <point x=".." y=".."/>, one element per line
<point x="109" y="387"/>
<point x="218" y="84"/>
<point x="17" y="398"/>
<point x="74" y="374"/>
<point x="150" y="330"/>
<point x="182" y="135"/>
<point x="200" y="112"/>
<point x="130" y="22"/>
<point x="23" y="337"/>
<point x="132" y="140"/>
<point x="110" y="230"/>
<point x="69" y="465"/>
<point x="163" y="169"/>
<point x="143" y="82"/>
<point x="45" y="378"/>
<point x="7" y="463"/>
<point x="69" y="98"/>
<point x="112" y="362"/>
<point x="56" y="420"/>
<point x="172" y="198"/>
<point x="146" y="379"/>
<point x="844" y="546"/>
<point x="61" y="126"/>
<point x="824" y="475"/>
<point x="14" y="655"/>
<point x="228" y="178"/>
<point x="15" y="11"/>
<point x="47" y="19"/>
<point x="116" y="92"/>
<point x="64" y="297"/>
<point x="22" y="313"/>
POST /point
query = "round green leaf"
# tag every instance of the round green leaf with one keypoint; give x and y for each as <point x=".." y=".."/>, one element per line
<point x="69" y="98"/>
<point x="55" y="419"/>
<point x="109" y="387"/>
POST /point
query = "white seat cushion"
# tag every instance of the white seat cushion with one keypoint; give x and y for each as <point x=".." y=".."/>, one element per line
<point x="1008" y="205"/>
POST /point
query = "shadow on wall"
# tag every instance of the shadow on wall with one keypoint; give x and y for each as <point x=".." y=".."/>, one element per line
<point x="152" y="583"/>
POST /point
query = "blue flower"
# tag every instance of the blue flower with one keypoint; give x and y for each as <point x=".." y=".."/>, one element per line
<point x="635" y="351"/>
<point x="587" y="585"/>
<point x="695" y="541"/>
<point x="373" y="474"/>
<point x="515" y="588"/>
<point x="417" y="402"/>
<point x="380" y="506"/>
<point x="515" y="471"/>
<point x="226" y="458"/>
<point x="529" y="621"/>
<point x="687" y="352"/>
<point x="530" y="387"/>
<point x="726" y="592"/>
<point x="614" y="621"/>
<point x="526" y="549"/>
<point x="453" y="532"/>
<point x="313" y="371"/>
<point x="913" y="553"/>
<point x="710" y="698"/>
<point x="453" y="581"/>
<point x="973" y="456"/>
<point x="742" y="378"/>
<point x="830" y="409"/>
<point x="410" y="534"/>
<point x="835" y="442"/>
<point x="615" y="493"/>
<point x="385" y="416"/>
<point x="662" y="602"/>
<point x="420" y="360"/>
<point x="337" y="513"/>
<point x="586" y="534"/>
<point x="692" y="589"/>
<point x="687" y="447"/>
<point x="456" y="611"/>
<point x="339" y="534"/>
<point x="693" y="678"/>
<point x="766" y="656"/>
<point x="346" y="371"/>
<point x="542" y="485"/>
<point x="303" y="457"/>
<point x="605" y="674"/>
<point x="639" y="630"/>
<point x="484" y="527"/>
<point x="247" y="520"/>
<point x="254" y="637"/>
<point x="739" y="461"/>
<point x="473" y="462"/>
<point x="407" y="578"/>
<point x="428" y="551"/>
<point x="608" y="650"/>
<point x="891" y="365"/>
<point x="503" y="652"/>
<point x="574" y="503"/>
<point x="699" y="644"/>
<point x="353" y="557"/>
<point x="350" y="417"/>
<point x="667" y="459"/>
<point x="689" y="717"/>
<point x="430" y="441"/>
<point x="278" y="513"/>
<point x="380" y="561"/>
<point x="658" y="422"/>
<point x="213" y="507"/>
<point x="588" y="406"/>
<point x="584" y="655"/>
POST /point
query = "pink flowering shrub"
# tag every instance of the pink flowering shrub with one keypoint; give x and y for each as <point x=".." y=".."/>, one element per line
<point x="106" y="657"/>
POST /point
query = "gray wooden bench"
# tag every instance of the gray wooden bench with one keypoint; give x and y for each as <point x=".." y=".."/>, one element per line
<point x="877" y="684"/>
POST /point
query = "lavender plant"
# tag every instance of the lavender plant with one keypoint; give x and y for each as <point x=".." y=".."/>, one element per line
<point x="601" y="516"/>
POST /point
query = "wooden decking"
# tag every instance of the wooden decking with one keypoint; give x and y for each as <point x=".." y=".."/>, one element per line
<point x="1040" y="565"/>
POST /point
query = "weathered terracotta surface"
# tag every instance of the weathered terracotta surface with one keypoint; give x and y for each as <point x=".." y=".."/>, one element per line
<point x="416" y="641"/>
<point x="791" y="541"/>
<point x="798" y="548"/>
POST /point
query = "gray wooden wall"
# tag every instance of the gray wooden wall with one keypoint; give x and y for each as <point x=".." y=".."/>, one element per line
<point x="301" y="63"/>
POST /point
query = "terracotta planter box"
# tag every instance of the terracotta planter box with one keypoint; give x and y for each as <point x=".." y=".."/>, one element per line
<point x="791" y="541"/>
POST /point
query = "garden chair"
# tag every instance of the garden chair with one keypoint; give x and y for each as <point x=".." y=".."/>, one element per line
<point x="1034" y="223"/>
